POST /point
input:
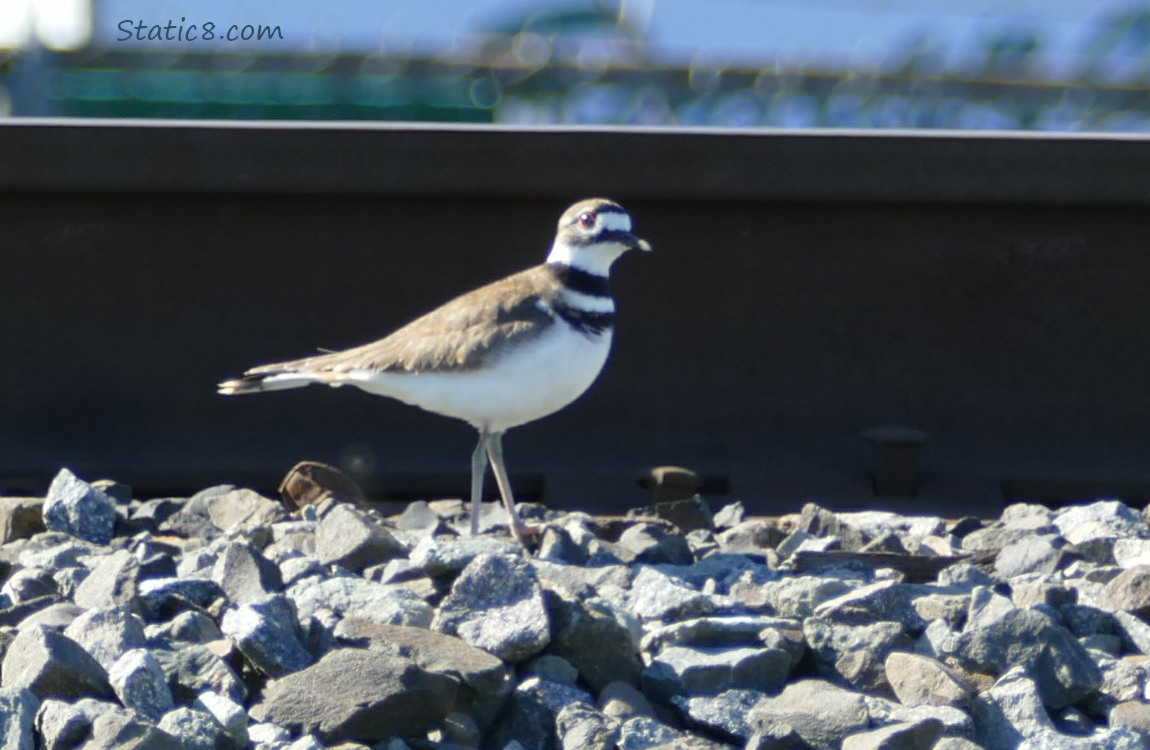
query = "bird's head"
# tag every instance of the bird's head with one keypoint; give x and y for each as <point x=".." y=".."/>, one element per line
<point x="592" y="234"/>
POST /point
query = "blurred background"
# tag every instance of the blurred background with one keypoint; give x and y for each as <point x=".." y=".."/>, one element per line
<point x="1052" y="65"/>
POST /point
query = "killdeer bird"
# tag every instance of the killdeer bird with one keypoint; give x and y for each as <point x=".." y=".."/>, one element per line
<point x="500" y="356"/>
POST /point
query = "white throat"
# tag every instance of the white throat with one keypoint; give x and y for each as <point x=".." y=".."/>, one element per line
<point x="596" y="259"/>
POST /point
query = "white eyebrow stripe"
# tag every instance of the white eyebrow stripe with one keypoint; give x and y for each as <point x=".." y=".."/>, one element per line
<point x="615" y="221"/>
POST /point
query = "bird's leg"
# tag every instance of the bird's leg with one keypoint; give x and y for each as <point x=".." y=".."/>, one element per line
<point x="495" y="453"/>
<point x="478" y="470"/>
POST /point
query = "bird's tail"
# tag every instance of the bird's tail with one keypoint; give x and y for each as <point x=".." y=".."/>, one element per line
<point x="257" y="382"/>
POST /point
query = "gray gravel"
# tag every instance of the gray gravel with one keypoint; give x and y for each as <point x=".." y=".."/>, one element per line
<point x="224" y="621"/>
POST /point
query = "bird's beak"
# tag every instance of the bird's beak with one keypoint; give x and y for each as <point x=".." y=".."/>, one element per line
<point x="627" y="240"/>
<point x="635" y="243"/>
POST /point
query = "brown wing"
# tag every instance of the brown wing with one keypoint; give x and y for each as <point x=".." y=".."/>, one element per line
<point x="456" y="337"/>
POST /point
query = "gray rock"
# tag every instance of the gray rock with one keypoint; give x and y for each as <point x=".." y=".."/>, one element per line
<point x="652" y="543"/>
<point x="718" y="571"/>
<point x="729" y="516"/>
<point x="798" y="596"/>
<point x="57" y="616"/>
<point x="118" y="729"/>
<point x="644" y="733"/>
<point x="1129" y="591"/>
<point x="75" y="507"/>
<point x="687" y="514"/>
<point x="1133" y="715"/>
<point x="883" y="600"/>
<point x="550" y="667"/>
<point x="69" y="579"/>
<point x="150" y="514"/>
<point x="380" y="695"/>
<point x="1043" y="553"/>
<point x="192" y="669"/>
<point x="357" y="598"/>
<point x="724" y="714"/>
<point x="581" y="727"/>
<point x="186" y="627"/>
<point x="107" y="633"/>
<point x="244" y="574"/>
<point x="686" y="670"/>
<point x="855" y="654"/>
<point x="140" y="684"/>
<point x="781" y="736"/>
<point x="308" y="742"/>
<point x="654" y="595"/>
<point x="229" y="714"/>
<point x="270" y="734"/>
<point x="231" y="509"/>
<point x="496" y="604"/>
<point x="1041" y="593"/>
<point x="1123" y="680"/>
<point x="1062" y="670"/>
<point x="956" y="743"/>
<point x="164" y="598"/>
<point x="557" y="545"/>
<point x="348" y="538"/>
<point x="1130" y="553"/>
<point x="621" y="700"/>
<point x="28" y="584"/>
<point x="1018" y="521"/>
<point x="942" y="605"/>
<point x="909" y="736"/>
<point x="196" y="563"/>
<point x="922" y="681"/>
<point x="1083" y="620"/>
<point x="1074" y="722"/>
<point x="62" y="725"/>
<point x="485" y="681"/>
<point x="1114" y="739"/>
<point x="157" y="559"/>
<point x="1010" y="712"/>
<point x="757" y="537"/>
<point x="986" y="608"/>
<point x="1104" y="519"/>
<point x="820" y="522"/>
<point x="55" y="549"/>
<point x="530" y="714"/>
<point x="419" y="517"/>
<point x="195" y="730"/>
<point x="112" y="582"/>
<point x="18" y="708"/>
<point x="267" y="633"/>
<point x="20" y="518"/>
<point x="22" y="615"/>
<point x="728" y="630"/>
<point x="1135" y="632"/>
<point x="582" y="582"/>
<point x="887" y="541"/>
<point x="438" y="557"/>
<point x="800" y="541"/>
<point x="295" y="569"/>
<point x="822" y="714"/>
<point x="589" y="637"/>
<point x="883" y="712"/>
<point x="52" y="665"/>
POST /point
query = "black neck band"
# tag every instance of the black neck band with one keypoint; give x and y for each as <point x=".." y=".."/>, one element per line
<point x="578" y="280"/>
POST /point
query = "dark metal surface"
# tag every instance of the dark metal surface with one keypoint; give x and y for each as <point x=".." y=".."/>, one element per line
<point x="989" y="290"/>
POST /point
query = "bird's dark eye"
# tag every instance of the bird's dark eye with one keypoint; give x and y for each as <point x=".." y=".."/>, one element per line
<point x="586" y="220"/>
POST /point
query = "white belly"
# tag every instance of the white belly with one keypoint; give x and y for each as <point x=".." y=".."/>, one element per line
<point x="537" y="379"/>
